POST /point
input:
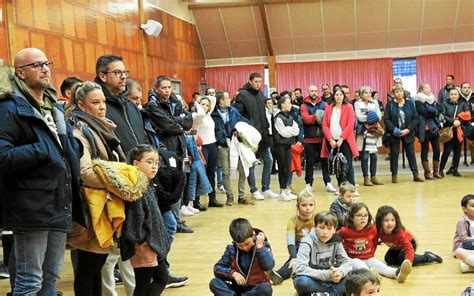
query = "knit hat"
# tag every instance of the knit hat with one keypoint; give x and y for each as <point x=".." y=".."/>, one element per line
<point x="372" y="117"/>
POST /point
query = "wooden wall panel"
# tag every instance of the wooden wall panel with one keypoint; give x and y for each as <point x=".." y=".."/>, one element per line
<point x="73" y="33"/>
<point x="3" y="34"/>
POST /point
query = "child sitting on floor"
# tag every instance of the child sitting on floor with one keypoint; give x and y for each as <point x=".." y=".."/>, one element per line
<point x="322" y="262"/>
<point x="361" y="282"/>
<point x="244" y="265"/>
<point x="341" y="206"/>
<point x="463" y="242"/>
<point x="299" y="226"/>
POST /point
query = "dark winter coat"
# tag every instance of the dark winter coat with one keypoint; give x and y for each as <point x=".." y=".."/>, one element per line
<point x="169" y="120"/>
<point x="39" y="176"/>
<point x="126" y="116"/>
<point x="392" y="111"/>
<point x="251" y="105"/>
<point x="224" y="131"/>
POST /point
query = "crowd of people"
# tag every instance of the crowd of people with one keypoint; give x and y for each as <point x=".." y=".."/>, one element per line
<point x="111" y="177"/>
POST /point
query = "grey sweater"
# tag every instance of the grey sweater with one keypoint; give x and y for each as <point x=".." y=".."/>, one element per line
<point x="315" y="258"/>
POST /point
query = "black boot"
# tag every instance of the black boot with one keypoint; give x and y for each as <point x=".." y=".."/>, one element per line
<point x="213" y="203"/>
<point x="456" y="173"/>
<point x="197" y="205"/>
<point x="450" y="171"/>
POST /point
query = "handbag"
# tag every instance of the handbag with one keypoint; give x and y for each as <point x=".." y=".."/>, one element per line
<point x="446" y="134"/>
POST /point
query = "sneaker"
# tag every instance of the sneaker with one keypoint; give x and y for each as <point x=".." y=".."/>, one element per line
<point x="356" y="193"/>
<point x="269" y="194"/>
<point x="433" y="257"/>
<point x="4" y="274"/>
<point x="118" y="277"/>
<point x="330" y="188"/>
<point x="403" y="271"/>
<point x="284" y="196"/>
<point x="221" y="189"/>
<point x="192" y="209"/>
<point x="183" y="228"/>
<point x="275" y="277"/>
<point x="245" y="201"/>
<point x="176" y="281"/>
<point x="291" y="195"/>
<point x="257" y="195"/>
<point x="185" y="211"/>
<point x="463" y="267"/>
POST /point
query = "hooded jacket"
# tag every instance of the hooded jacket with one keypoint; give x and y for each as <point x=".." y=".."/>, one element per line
<point x="223" y="130"/>
<point x="251" y="105"/>
<point x="126" y="116"/>
<point x="252" y="265"/>
<point x="315" y="258"/>
<point x="39" y="170"/>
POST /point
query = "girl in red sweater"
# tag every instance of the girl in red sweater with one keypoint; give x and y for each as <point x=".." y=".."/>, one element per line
<point x="401" y="243"/>
<point x="359" y="238"/>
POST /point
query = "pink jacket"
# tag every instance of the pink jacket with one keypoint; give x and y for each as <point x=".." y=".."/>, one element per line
<point x="347" y="124"/>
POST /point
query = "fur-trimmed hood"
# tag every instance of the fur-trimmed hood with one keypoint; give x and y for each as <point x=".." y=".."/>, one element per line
<point x="423" y="98"/>
<point x="123" y="180"/>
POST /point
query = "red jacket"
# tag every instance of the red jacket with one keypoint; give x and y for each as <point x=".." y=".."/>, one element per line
<point x="296" y="151"/>
<point x="398" y="241"/>
<point x="360" y="244"/>
<point x="347" y="122"/>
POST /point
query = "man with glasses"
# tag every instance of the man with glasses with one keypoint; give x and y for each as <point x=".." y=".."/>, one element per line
<point x="327" y="95"/>
<point x="39" y="167"/>
<point x="111" y="75"/>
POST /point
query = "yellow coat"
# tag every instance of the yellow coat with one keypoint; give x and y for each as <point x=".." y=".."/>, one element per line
<point x="106" y="206"/>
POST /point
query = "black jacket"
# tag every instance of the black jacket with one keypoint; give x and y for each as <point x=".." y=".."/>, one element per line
<point x="169" y="186"/>
<point x="169" y="120"/>
<point x="126" y="116"/>
<point x="450" y="111"/>
<point x="392" y="111"/>
<point x="251" y="105"/>
<point x="224" y="131"/>
<point x="39" y="177"/>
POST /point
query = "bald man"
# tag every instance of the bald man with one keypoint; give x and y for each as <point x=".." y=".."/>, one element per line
<point x="313" y="139"/>
<point x="39" y="167"/>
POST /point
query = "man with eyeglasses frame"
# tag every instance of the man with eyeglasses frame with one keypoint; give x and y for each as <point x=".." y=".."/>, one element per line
<point x="39" y="168"/>
<point x="112" y="75"/>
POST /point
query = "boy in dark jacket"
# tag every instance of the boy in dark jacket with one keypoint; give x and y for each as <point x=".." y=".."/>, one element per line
<point x="243" y="267"/>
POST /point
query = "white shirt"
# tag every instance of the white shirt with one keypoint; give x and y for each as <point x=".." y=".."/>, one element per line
<point x="335" y="126"/>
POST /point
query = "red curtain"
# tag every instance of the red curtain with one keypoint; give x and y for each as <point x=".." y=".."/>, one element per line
<point x="434" y="68"/>
<point x="376" y="73"/>
<point x="231" y="78"/>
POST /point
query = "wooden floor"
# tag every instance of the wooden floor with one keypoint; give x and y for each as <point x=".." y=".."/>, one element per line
<point x="429" y="210"/>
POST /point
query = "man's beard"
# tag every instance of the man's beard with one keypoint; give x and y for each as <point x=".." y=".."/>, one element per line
<point x="38" y="84"/>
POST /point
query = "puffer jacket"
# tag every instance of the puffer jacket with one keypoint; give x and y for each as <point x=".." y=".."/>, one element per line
<point x="39" y="174"/>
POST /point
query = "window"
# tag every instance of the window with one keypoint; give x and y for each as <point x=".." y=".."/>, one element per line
<point x="406" y="70"/>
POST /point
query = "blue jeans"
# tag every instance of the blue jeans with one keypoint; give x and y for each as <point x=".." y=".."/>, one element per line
<point x="267" y="158"/>
<point x="220" y="180"/>
<point x="221" y="288"/>
<point x="38" y="259"/>
<point x="170" y="223"/>
<point x="305" y="285"/>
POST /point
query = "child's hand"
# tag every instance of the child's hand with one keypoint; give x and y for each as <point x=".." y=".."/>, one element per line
<point x="260" y="239"/>
<point x="292" y="264"/>
<point x="238" y="278"/>
<point x="336" y="274"/>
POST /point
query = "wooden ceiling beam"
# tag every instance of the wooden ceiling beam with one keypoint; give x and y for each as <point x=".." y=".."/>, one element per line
<point x="266" y="29"/>
<point x="195" y="5"/>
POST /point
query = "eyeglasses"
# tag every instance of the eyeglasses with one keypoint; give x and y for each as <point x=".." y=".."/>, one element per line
<point x="360" y="216"/>
<point x="119" y="73"/>
<point x="151" y="163"/>
<point x="39" y="65"/>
